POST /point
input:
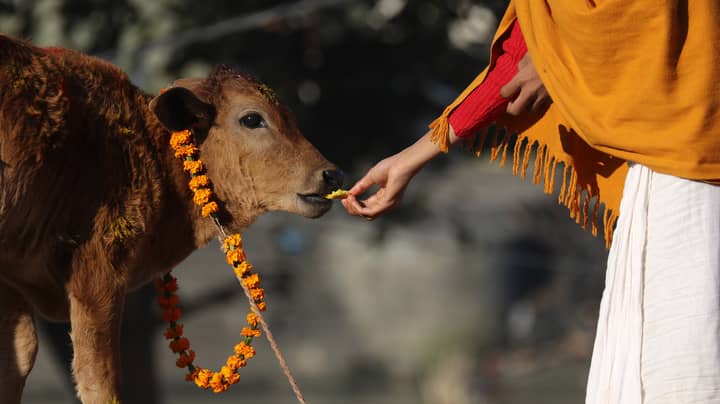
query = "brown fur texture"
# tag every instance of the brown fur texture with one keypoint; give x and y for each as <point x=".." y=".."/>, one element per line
<point x="93" y="203"/>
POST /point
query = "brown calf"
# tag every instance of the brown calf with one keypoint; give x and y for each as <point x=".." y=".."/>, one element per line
<point x="94" y="204"/>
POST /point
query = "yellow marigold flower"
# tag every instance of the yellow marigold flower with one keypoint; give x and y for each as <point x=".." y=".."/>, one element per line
<point x="337" y="194"/>
<point x="172" y="333"/>
<point x="171" y="314"/>
<point x="233" y="240"/>
<point x="247" y="351"/>
<point x="252" y="320"/>
<point x="262" y="306"/>
<point x="180" y="138"/>
<point x="234" y="362"/>
<point x="193" y="167"/>
<point x="167" y="302"/>
<point x="249" y="332"/>
<point x="236" y="255"/>
<point x="209" y="208"/>
<point x="226" y="372"/>
<point x="202" y="196"/>
<point x="251" y="281"/>
<point x="179" y="345"/>
<point x="202" y="378"/>
<point x="199" y="181"/>
<point x="233" y="379"/>
<point x="186" y="151"/>
<point x="243" y="268"/>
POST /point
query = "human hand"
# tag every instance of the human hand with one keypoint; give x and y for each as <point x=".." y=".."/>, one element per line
<point x="392" y="175"/>
<point x="531" y="93"/>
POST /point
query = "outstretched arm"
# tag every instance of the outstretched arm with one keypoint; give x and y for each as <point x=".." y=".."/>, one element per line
<point x="511" y="86"/>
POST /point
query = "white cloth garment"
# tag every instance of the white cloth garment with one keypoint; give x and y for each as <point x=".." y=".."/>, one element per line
<point x="658" y="334"/>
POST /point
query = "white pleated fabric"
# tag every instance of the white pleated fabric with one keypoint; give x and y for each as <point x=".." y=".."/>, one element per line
<point x="658" y="334"/>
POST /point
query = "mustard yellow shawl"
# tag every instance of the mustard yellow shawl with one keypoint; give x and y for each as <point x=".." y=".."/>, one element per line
<point x="630" y="81"/>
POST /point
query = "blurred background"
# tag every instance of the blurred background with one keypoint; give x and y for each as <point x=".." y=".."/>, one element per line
<point x="478" y="289"/>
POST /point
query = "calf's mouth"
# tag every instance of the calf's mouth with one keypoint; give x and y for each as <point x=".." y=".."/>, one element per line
<point x="314" y="198"/>
<point x="313" y="204"/>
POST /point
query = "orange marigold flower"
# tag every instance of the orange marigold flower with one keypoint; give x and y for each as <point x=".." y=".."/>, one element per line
<point x="236" y="255"/>
<point x="171" y="314"/>
<point x="247" y="351"/>
<point x="242" y="269"/>
<point x="249" y="332"/>
<point x="167" y="302"/>
<point x="233" y="240"/>
<point x="258" y="294"/>
<point x="171" y="333"/>
<point x="202" y="196"/>
<point x="216" y="382"/>
<point x="202" y="378"/>
<point x="262" y="306"/>
<point x="234" y="362"/>
<point x="161" y="285"/>
<point x="180" y="138"/>
<point x="185" y="359"/>
<point x="200" y="181"/>
<point x="233" y="379"/>
<point x="170" y="285"/>
<point x="209" y="208"/>
<point x="179" y="345"/>
<point x="186" y="151"/>
<point x="251" y="281"/>
<point x="190" y="377"/>
<point x="252" y="320"/>
<point x="193" y="167"/>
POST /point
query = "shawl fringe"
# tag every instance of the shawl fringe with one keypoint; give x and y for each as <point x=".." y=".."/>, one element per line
<point x="583" y="203"/>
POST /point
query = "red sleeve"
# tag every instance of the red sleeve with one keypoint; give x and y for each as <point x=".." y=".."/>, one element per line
<point x="485" y="103"/>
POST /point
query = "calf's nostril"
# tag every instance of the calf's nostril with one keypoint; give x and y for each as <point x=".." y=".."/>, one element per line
<point x="334" y="178"/>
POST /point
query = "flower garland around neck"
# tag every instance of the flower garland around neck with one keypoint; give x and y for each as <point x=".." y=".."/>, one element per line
<point x="167" y="286"/>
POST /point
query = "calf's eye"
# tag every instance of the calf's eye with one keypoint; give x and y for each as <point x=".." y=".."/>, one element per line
<point x="253" y="121"/>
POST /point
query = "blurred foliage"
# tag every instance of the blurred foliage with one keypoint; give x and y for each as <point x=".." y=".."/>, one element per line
<point x="363" y="77"/>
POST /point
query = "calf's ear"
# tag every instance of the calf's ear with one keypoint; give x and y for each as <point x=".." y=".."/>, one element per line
<point x="179" y="108"/>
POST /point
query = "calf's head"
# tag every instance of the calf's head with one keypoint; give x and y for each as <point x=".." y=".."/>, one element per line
<point x="253" y="151"/>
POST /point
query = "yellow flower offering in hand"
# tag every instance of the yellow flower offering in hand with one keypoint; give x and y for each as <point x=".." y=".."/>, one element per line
<point x="337" y="194"/>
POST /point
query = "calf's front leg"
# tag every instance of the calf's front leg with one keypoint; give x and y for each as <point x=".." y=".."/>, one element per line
<point x="18" y="344"/>
<point x="95" y="315"/>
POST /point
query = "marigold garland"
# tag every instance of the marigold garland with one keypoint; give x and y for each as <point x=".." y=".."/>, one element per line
<point x="201" y="186"/>
<point x="183" y="147"/>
